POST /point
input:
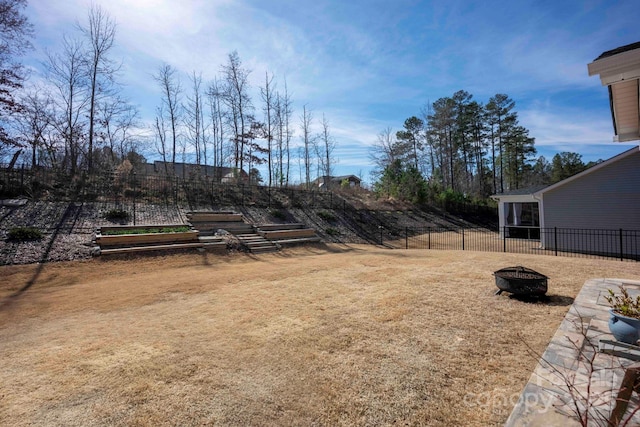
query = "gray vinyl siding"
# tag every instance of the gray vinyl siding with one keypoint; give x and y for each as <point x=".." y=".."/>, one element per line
<point x="607" y="198"/>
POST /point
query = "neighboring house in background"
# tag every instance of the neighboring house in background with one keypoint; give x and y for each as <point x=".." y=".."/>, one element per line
<point x="336" y="181"/>
<point x="187" y="170"/>
<point x="603" y="197"/>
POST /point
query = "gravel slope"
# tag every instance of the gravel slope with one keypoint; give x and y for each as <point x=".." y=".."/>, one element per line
<point x="70" y="227"/>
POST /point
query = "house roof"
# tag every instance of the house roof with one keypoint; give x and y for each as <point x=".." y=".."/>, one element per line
<point x="522" y="191"/>
<point x="337" y="178"/>
<point x="619" y="70"/>
<point x="341" y="177"/>
<point x="529" y="192"/>
<point x="618" y="50"/>
<point x="179" y="168"/>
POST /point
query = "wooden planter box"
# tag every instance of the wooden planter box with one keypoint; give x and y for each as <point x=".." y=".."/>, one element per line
<point x="144" y="239"/>
<point x="289" y="234"/>
<point x="214" y="217"/>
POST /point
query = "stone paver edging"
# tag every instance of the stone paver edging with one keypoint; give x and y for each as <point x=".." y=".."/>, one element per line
<point x="565" y="378"/>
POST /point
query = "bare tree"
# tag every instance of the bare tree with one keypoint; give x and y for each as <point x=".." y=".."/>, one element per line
<point x="268" y="108"/>
<point x="283" y="112"/>
<point x="217" y="124"/>
<point x="384" y="151"/>
<point x="238" y="101"/>
<point x="117" y="119"/>
<point x="194" y="119"/>
<point x="100" y="33"/>
<point x="307" y="141"/>
<point x="161" y="137"/>
<point x="66" y="71"/>
<point x="171" y="92"/>
<point x="325" y="144"/>
<point x="36" y="123"/>
<point x="15" y="34"/>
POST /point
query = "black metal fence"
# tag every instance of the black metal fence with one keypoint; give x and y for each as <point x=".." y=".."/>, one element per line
<point x="570" y="242"/>
<point x="129" y="188"/>
<point x="192" y="190"/>
<point x="198" y="191"/>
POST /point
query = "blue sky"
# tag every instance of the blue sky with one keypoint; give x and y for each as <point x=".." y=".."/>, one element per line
<point x="368" y="65"/>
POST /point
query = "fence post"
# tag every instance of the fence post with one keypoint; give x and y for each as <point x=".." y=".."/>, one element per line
<point x="504" y="239"/>
<point x="555" y="239"/>
<point x="429" y="240"/>
<point x="406" y="237"/>
<point x="621" y="247"/>
<point x="463" y="239"/>
<point x="175" y="190"/>
<point x="381" y="241"/>
<point x="134" y="198"/>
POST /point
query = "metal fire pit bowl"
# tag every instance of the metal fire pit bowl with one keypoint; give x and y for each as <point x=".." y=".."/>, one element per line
<point x="521" y="281"/>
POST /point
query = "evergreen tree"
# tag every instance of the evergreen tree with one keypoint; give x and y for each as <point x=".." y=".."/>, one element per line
<point x="411" y="140"/>
<point x="566" y="164"/>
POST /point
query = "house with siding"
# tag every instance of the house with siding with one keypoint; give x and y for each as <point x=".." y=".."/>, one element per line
<point x="603" y="197"/>
<point x="325" y="182"/>
<point x="189" y="170"/>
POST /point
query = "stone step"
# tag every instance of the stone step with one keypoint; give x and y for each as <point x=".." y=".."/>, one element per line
<point x="210" y="239"/>
<point x="256" y="243"/>
<point x="299" y="240"/>
<point x="259" y="247"/>
<point x="277" y="227"/>
<point x="245" y="238"/>
<point x="231" y="227"/>
<point x="264" y="250"/>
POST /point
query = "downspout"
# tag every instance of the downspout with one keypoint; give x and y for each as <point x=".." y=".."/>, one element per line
<point x="543" y="236"/>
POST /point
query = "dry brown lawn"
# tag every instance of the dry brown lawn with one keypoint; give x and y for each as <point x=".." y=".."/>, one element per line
<point x="317" y="335"/>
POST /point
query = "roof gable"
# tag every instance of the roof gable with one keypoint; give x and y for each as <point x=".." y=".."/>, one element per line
<point x="592" y="169"/>
<point x="525" y="193"/>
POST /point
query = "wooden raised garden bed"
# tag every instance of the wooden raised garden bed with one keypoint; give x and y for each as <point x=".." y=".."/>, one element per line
<point x="127" y="235"/>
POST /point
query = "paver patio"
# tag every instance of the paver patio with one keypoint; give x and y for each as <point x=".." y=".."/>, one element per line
<point x="572" y="373"/>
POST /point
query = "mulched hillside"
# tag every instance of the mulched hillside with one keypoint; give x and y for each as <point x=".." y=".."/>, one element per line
<point x="69" y="227"/>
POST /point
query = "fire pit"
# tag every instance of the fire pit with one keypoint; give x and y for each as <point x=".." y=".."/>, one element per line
<point x="520" y="281"/>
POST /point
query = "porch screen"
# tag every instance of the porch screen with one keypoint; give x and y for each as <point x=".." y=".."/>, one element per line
<point x="523" y="215"/>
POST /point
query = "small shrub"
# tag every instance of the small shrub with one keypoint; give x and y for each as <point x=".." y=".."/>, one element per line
<point x="117" y="215"/>
<point x="327" y="216"/>
<point x="145" y="230"/>
<point x="25" y="233"/>
<point x="277" y="213"/>
<point x="131" y="193"/>
<point x="332" y="231"/>
<point x="181" y="229"/>
<point x="623" y="303"/>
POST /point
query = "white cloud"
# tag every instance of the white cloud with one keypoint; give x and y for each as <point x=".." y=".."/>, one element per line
<point x="566" y="127"/>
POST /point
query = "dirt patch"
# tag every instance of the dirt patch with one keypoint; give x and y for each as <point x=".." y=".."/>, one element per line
<point x="317" y="335"/>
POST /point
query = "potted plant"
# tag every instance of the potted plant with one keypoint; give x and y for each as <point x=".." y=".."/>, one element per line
<point x="624" y="322"/>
